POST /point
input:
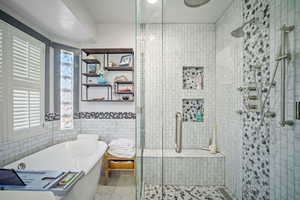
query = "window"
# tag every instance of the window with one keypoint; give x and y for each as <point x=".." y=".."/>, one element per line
<point x="66" y="90"/>
<point x="22" y="77"/>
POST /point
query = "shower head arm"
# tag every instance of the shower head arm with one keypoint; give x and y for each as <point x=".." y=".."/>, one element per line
<point x="249" y="21"/>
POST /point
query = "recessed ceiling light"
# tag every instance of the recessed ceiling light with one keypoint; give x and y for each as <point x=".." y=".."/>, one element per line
<point x="152" y="1"/>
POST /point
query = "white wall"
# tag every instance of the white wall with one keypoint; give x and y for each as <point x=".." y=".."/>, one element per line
<point x="114" y="36"/>
<point x="111" y="36"/>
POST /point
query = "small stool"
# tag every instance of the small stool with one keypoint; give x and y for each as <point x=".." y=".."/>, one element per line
<point x="110" y="166"/>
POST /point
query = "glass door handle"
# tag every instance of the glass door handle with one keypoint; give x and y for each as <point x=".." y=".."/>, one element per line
<point x="178" y="133"/>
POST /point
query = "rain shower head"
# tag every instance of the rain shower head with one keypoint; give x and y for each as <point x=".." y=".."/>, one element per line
<point x="195" y="3"/>
<point x="239" y="32"/>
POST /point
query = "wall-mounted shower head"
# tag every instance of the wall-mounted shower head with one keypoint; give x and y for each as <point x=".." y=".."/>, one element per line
<point x="195" y="3"/>
<point x="239" y="32"/>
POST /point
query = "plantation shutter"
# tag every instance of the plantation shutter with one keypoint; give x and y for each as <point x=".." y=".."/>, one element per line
<point x="27" y="65"/>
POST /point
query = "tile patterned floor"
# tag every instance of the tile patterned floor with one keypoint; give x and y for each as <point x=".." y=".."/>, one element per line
<point x="119" y="187"/>
<point x="172" y="192"/>
<point x="122" y="187"/>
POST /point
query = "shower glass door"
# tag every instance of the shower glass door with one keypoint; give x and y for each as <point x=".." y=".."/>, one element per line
<point x="149" y="98"/>
<point x="175" y="101"/>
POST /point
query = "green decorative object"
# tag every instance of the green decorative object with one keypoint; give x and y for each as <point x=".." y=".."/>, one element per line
<point x="199" y="117"/>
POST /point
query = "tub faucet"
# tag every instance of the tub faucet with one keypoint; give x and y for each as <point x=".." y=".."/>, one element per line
<point x="21" y="166"/>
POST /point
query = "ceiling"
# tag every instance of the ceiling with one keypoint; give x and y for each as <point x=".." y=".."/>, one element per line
<point x="112" y="11"/>
<point x="53" y="17"/>
<point x="175" y="11"/>
<point x="76" y="20"/>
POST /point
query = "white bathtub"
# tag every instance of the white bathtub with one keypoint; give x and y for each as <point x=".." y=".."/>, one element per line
<point x="79" y="155"/>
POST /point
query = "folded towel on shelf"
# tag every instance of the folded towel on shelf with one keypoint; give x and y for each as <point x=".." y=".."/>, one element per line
<point x="122" y="148"/>
<point x="122" y="154"/>
<point x="121" y="143"/>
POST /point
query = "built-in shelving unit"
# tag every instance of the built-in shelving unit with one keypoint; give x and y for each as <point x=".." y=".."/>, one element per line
<point x="86" y="76"/>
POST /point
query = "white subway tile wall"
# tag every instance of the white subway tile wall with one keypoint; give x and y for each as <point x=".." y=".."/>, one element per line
<point x="181" y="45"/>
<point x="109" y="129"/>
<point x="14" y="148"/>
<point x="285" y="142"/>
<point x="184" y="171"/>
<point x="228" y="98"/>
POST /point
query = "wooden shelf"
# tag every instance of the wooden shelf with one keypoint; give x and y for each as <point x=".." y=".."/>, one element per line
<point x="107" y="162"/>
<point x="96" y="85"/>
<point x="90" y="74"/>
<point x="108" y="51"/>
<point x="91" y="61"/>
<point x="123" y="82"/>
<point x="117" y="100"/>
<point x="119" y="68"/>
<point x="120" y="92"/>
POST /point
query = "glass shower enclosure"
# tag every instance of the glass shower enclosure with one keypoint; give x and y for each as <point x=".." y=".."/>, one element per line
<point x="175" y="104"/>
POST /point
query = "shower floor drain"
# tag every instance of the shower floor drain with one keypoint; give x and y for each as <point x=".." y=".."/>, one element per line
<point x="175" y="192"/>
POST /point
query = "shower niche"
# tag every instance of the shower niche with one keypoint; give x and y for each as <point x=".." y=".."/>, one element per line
<point x="193" y="110"/>
<point x="193" y="77"/>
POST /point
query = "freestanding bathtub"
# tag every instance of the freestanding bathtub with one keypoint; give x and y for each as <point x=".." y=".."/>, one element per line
<point x="84" y="154"/>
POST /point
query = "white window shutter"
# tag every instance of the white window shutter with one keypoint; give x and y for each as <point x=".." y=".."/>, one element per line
<point x="35" y="64"/>
<point x="35" y="108"/>
<point x="20" y="109"/>
<point x="20" y="56"/>
<point x="27" y="63"/>
<point x="22" y="60"/>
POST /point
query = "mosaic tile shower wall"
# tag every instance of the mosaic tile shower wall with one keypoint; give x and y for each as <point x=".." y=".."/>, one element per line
<point x="256" y="143"/>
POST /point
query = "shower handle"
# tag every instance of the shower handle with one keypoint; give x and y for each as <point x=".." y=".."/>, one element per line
<point x="178" y="133"/>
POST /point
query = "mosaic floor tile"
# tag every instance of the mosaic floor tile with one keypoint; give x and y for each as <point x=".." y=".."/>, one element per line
<point x="174" y="192"/>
